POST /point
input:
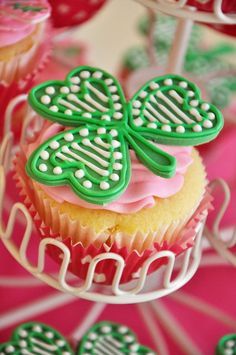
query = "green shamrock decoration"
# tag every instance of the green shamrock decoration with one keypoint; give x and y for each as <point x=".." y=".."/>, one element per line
<point x="36" y="338"/>
<point x="94" y="158"/>
<point x="108" y="338"/>
<point x="226" y="345"/>
<point x="26" y="8"/>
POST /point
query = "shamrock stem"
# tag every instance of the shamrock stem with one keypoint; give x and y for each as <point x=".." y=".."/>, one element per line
<point x="155" y="159"/>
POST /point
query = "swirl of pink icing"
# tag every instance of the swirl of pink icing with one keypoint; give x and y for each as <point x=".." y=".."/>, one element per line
<point x="142" y="189"/>
<point x="13" y="30"/>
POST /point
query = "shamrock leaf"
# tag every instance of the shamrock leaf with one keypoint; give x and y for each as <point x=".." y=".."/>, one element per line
<point x="170" y="110"/>
<point x="94" y="158"/>
<point x="87" y="94"/>
<point x="108" y="338"/>
<point x="36" y="338"/>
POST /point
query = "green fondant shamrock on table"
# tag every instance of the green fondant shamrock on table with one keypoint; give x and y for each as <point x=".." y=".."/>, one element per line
<point x="227" y="345"/>
<point x="94" y="157"/>
<point x="103" y="338"/>
<point x="108" y="338"/>
<point x="36" y="338"/>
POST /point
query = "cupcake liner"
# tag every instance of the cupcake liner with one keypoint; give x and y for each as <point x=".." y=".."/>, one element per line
<point x="10" y="91"/>
<point x="82" y="255"/>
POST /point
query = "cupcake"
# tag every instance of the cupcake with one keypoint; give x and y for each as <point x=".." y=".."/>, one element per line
<point x="21" y="31"/>
<point x="117" y="176"/>
<point x="24" y="50"/>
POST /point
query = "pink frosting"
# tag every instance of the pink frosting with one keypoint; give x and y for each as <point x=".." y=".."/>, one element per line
<point x="13" y="30"/>
<point x="142" y="189"/>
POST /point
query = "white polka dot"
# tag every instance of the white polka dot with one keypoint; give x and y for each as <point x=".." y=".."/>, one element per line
<point x="194" y="103"/>
<point x="137" y="104"/>
<point x="152" y="125"/>
<point x="180" y="129"/>
<point x="10" y="349"/>
<point x="134" y="347"/>
<point x="68" y="112"/>
<point x="115" y="97"/>
<point x="104" y="185"/>
<point x="85" y="74"/>
<point x="75" y="80"/>
<point x="117" y="166"/>
<point x="106" y="118"/>
<point x="136" y="112"/>
<point x="117" y="106"/>
<point x="23" y="333"/>
<point x="88" y="345"/>
<point x="113" y="89"/>
<point x="143" y="94"/>
<point x="79" y="174"/>
<point x="87" y="115"/>
<point x="23" y="343"/>
<point x="68" y="137"/>
<point x="115" y="144"/>
<point x="197" y="128"/>
<point x="117" y="115"/>
<point x="84" y="132"/>
<point x="154" y="86"/>
<point x="71" y="97"/>
<point x="230" y="343"/>
<point x="43" y="167"/>
<point x="49" y="335"/>
<point x="205" y="106"/>
<point x="228" y="352"/>
<point x="114" y="133"/>
<point x="64" y="90"/>
<point x="168" y="82"/>
<point x="57" y="170"/>
<point x="87" y="184"/>
<point x="114" y="177"/>
<point x="97" y="74"/>
<point x="138" y="122"/>
<point x="190" y="93"/>
<point x="44" y="155"/>
<point x="54" y="108"/>
<point x="106" y="329"/>
<point x="207" y="124"/>
<point x="37" y="329"/>
<point x="63" y="8"/>
<point x="60" y="343"/>
<point x="45" y="99"/>
<point x="109" y="81"/>
<point x="211" y="115"/>
<point x="166" y="128"/>
<point x="86" y="141"/>
<point x="129" y="338"/>
<point x="92" y="336"/>
<point x="117" y="155"/>
<point x="50" y="90"/>
<point x="183" y="84"/>
<point x="101" y="130"/>
<point x="75" y="88"/>
<point x="64" y="149"/>
<point x="54" y="145"/>
<point x="123" y="330"/>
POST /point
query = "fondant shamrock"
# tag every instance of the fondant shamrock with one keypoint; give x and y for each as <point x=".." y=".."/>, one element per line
<point x="227" y="345"/>
<point x="94" y="158"/>
<point x="108" y="338"/>
<point x="32" y="11"/>
<point x="36" y="338"/>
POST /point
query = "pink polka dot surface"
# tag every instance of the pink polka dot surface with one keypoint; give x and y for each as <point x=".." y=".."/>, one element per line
<point x="73" y="13"/>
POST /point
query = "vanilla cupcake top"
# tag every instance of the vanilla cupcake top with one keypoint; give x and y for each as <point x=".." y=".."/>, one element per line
<point x="94" y="158"/>
<point x="18" y="19"/>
